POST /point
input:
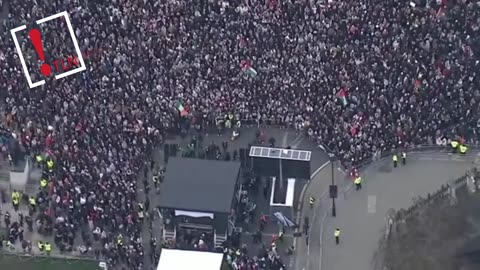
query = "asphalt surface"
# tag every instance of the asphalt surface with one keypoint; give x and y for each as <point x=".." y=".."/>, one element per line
<point x="361" y="214"/>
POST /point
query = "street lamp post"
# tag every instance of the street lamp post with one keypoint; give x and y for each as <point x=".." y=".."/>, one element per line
<point x="333" y="188"/>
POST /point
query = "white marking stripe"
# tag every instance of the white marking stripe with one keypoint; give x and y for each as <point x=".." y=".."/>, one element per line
<point x="372" y="204"/>
<point x="443" y="159"/>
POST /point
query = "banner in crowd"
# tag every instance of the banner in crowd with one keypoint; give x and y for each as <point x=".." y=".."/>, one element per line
<point x="342" y="95"/>
<point x="183" y="112"/>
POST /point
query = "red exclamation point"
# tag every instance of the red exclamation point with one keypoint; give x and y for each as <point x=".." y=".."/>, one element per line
<point x="36" y="39"/>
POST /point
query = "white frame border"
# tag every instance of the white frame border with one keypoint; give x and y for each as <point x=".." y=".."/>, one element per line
<point x="75" y="43"/>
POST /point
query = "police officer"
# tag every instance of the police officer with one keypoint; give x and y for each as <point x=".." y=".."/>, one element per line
<point x="358" y="182"/>
<point x="39" y="160"/>
<point x="15" y="200"/>
<point x="337" y="236"/>
<point x="48" y="248"/>
<point x="395" y="160"/>
<point x="43" y="183"/>
<point x="40" y="246"/>
<point x="454" y="144"/>
<point x="311" y="200"/>
<point x="33" y="203"/>
<point x="404" y="158"/>
<point x="463" y="149"/>
<point x="50" y="165"/>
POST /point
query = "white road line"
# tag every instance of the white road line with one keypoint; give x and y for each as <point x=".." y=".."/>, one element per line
<point x="320" y="257"/>
<point x="456" y="159"/>
<point x="284" y="139"/>
<point x="372" y="204"/>
<point x="341" y="171"/>
<point x="301" y="201"/>
<point x="296" y="142"/>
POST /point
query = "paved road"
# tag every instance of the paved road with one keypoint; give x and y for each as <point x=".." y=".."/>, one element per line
<point x="361" y="214"/>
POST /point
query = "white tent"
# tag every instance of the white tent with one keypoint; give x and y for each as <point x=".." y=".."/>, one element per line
<point x="174" y="259"/>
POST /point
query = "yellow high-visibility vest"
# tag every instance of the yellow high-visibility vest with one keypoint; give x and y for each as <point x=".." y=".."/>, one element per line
<point x="32" y="201"/>
<point x="463" y="149"/>
<point x="39" y="158"/>
<point x="48" y="247"/>
<point x="358" y="180"/>
<point x="395" y="158"/>
<point x="43" y="183"/>
<point x="15" y="196"/>
<point x="454" y="144"/>
<point x="337" y="233"/>
<point x="50" y="164"/>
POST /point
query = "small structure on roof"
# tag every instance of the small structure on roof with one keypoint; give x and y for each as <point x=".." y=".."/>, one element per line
<point x="174" y="259"/>
<point x="280" y="153"/>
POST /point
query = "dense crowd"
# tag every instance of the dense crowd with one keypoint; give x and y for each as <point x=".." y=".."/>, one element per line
<point x="357" y="76"/>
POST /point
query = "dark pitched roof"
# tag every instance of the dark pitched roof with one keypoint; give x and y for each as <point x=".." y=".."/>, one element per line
<point x="199" y="185"/>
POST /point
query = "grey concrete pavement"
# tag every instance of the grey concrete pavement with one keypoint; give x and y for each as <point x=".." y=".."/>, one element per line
<point x="361" y="214"/>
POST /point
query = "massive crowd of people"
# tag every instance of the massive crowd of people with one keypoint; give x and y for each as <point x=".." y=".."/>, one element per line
<point x="359" y="76"/>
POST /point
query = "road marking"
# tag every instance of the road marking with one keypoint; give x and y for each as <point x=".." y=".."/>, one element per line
<point x="320" y="257"/>
<point x="299" y="139"/>
<point x="457" y="159"/>
<point x="372" y="204"/>
<point x="284" y="140"/>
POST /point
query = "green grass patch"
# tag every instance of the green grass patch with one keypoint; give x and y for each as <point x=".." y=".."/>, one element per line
<point x="15" y="262"/>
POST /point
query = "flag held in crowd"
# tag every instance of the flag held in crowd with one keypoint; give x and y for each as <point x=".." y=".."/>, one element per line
<point x="252" y="72"/>
<point x="286" y="222"/>
<point x="342" y="95"/>
<point x="247" y="68"/>
<point x="181" y="109"/>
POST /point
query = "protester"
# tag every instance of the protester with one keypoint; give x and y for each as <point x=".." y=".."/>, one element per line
<point x="359" y="78"/>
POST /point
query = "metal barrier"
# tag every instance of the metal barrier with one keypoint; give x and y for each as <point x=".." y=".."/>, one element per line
<point x="425" y="148"/>
<point x="16" y="259"/>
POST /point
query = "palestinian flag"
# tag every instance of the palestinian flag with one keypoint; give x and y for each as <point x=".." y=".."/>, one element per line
<point x="247" y="68"/>
<point x="342" y="95"/>
<point x="181" y="109"/>
<point x="252" y="72"/>
<point x="418" y="85"/>
<point x="440" y="12"/>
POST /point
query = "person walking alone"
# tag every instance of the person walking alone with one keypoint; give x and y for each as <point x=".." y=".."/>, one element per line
<point x="337" y="236"/>
<point x="358" y="182"/>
